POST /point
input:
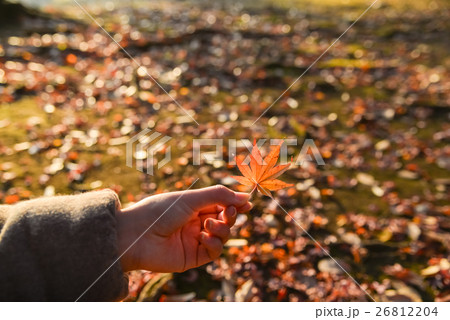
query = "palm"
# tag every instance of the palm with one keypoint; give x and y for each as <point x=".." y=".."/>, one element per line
<point x="176" y="252"/>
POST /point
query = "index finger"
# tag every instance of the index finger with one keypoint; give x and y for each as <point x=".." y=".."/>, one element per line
<point x="202" y="198"/>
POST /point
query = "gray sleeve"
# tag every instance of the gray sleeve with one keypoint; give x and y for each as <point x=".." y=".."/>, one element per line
<point x="53" y="249"/>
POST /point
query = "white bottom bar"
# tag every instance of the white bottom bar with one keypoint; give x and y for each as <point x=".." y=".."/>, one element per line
<point x="227" y="311"/>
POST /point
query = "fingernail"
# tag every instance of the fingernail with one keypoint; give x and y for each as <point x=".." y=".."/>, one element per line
<point x="242" y="196"/>
<point x="209" y="224"/>
<point x="233" y="212"/>
<point x="202" y="237"/>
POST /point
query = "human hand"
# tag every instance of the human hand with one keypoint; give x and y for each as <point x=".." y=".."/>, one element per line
<point x="177" y="231"/>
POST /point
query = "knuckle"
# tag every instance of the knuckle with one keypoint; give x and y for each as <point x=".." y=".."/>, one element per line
<point x="220" y="189"/>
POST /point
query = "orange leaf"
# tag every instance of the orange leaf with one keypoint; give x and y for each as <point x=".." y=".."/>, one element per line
<point x="71" y="58"/>
<point x="276" y="171"/>
<point x="264" y="191"/>
<point x="243" y="180"/>
<point x="256" y="162"/>
<point x="12" y="198"/>
<point x="275" y="184"/>
<point x="243" y="168"/>
<point x="270" y="161"/>
<point x="261" y="173"/>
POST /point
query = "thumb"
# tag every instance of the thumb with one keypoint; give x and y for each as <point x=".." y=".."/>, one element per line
<point x="221" y="195"/>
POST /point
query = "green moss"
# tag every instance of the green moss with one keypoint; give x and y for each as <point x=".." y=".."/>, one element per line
<point x="344" y="63"/>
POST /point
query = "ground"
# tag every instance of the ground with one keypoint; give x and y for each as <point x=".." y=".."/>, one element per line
<point x="376" y="105"/>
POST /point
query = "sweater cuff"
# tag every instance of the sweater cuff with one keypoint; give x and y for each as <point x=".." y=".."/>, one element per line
<point x="72" y="244"/>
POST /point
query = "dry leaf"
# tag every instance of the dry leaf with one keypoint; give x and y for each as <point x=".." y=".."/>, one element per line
<point x="262" y="173"/>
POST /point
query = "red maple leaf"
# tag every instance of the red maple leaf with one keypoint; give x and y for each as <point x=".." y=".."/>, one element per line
<point x="262" y="173"/>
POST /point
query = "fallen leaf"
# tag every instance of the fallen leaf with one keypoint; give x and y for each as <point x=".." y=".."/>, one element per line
<point x="430" y="271"/>
<point x="11" y="199"/>
<point x="71" y="58"/>
<point x="244" y="292"/>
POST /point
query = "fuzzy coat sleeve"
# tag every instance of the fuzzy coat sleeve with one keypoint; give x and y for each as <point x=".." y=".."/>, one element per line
<point x="53" y="249"/>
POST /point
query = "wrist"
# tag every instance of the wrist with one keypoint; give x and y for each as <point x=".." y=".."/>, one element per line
<point x="125" y="239"/>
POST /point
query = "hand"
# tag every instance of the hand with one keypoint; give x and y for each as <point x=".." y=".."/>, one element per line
<point x="178" y="230"/>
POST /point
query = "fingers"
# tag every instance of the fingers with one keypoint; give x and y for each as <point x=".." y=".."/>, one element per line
<point x="214" y="209"/>
<point x="207" y="197"/>
<point x="210" y="249"/>
<point x="218" y="229"/>
<point x="217" y="232"/>
<point x="204" y="217"/>
<point x="229" y="216"/>
<point x="246" y="207"/>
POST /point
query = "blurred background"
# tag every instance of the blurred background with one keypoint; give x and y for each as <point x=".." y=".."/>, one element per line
<point x="376" y="105"/>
